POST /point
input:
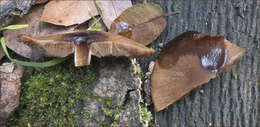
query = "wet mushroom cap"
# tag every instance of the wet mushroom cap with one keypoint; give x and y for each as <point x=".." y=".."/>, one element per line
<point x="188" y="61"/>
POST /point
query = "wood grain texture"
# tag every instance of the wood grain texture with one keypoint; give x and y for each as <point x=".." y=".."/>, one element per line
<point x="231" y="99"/>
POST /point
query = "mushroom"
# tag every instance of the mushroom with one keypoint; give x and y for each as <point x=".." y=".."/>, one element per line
<point x="84" y="44"/>
<point x="187" y="62"/>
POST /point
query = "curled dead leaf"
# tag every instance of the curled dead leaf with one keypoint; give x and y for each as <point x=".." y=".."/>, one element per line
<point x="188" y="61"/>
<point x="97" y="43"/>
<point x="142" y="23"/>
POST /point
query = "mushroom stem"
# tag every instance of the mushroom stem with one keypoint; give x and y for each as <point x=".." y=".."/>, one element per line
<point x="82" y="55"/>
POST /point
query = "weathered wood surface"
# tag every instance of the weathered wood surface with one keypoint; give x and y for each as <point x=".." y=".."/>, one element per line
<point x="231" y="99"/>
<point x="11" y="8"/>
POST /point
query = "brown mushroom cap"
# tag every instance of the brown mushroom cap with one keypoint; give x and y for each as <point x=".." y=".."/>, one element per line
<point x="86" y="43"/>
<point x="189" y="61"/>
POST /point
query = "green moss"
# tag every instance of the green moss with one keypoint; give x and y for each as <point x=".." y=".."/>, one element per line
<point x="140" y="73"/>
<point x="113" y="115"/>
<point x="85" y="115"/>
<point x="100" y="100"/>
<point x="51" y="96"/>
<point x="138" y="68"/>
<point x="109" y="102"/>
<point x="146" y="115"/>
<point x="111" y="112"/>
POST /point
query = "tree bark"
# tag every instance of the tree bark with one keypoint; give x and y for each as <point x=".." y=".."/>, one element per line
<point x="11" y="8"/>
<point x="231" y="99"/>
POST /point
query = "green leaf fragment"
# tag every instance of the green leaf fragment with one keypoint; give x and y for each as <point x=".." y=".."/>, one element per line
<point x="13" y="27"/>
<point x="96" y="27"/>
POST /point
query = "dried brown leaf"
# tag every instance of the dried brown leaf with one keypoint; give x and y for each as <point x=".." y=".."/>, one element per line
<point x="189" y="61"/>
<point x="68" y="13"/>
<point x="111" y="9"/>
<point x="36" y="28"/>
<point x="142" y="23"/>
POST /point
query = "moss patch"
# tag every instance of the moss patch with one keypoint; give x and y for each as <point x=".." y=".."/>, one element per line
<point x="51" y="96"/>
<point x="140" y="73"/>
<point x="111" y="112"/>
<point x="146" y="115"/>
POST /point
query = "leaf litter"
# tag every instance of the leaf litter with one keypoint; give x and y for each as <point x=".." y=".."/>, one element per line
<point x="68" y="13"/>
<point x="43" y="22"/>
<point x="36" y="28"/>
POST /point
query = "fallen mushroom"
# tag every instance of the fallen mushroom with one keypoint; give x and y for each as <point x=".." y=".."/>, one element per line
<point x="84" y="44"/>
<point x="189" y="61"/>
